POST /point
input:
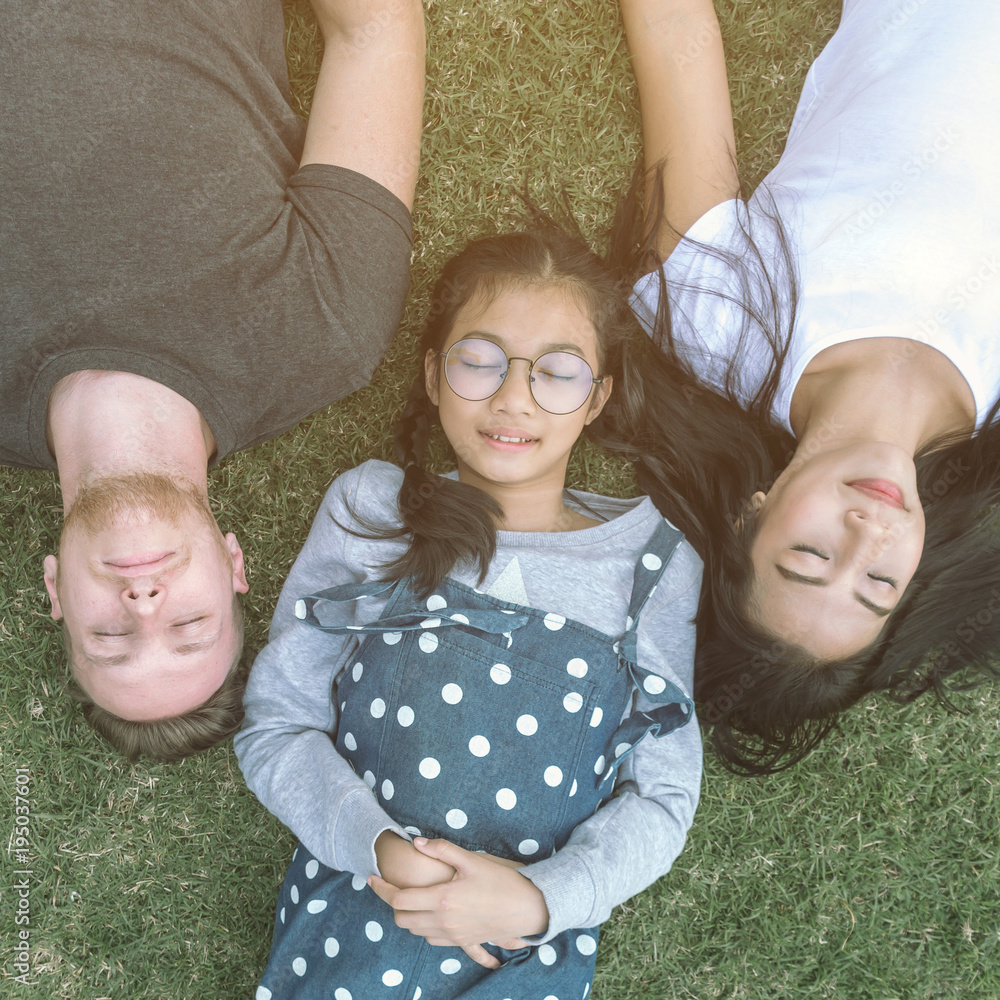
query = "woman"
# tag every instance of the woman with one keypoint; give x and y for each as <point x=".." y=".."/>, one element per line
<point x="846" y="315"/>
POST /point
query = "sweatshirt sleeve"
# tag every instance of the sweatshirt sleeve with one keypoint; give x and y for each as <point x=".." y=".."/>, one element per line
<point x="286" y="746"/>
<point x="635" y="836"/>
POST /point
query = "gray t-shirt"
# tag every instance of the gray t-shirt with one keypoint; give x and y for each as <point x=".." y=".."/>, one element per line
<point x="153" y="220"/>
<point x="286" y="749"/>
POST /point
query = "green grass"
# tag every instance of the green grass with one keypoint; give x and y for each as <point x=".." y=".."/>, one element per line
<point x="869" y="871"/>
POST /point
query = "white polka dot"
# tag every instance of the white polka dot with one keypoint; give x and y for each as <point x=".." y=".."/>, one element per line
<point x="332" y="947"/>
<point x="527" y="725"/>
<point x="388" y="789"/>
<point x="427" y="642"/>
<point x="586" y="991"/>
<point x="573" y="702"/>
<point x="312" y="868"/>
<point x="357" y="671"/>
<point x="599" y="766"/>
<point x="572" y="791"/>
<point x="551" y="996"/>
<point x="628" y="622"/>
<point x="509" y="638"/>
<point x="451" y="693"/>
<point x="377" y="708"/>
<point x="263" y="993"/>
<point x="622" y="748"/>
<point x="450" y="966"/>
<point x="405" y="716"/>
<point x="595" y="719"/>
<point x="527" y="847"/>
<point x="499" y="673"/>
<point x="281" y="915"/>
<point x="341" y="994"/>
<point x="430" y="623"/>
<point x="294" y="894"/>
<point x="546" y="954"/>
<point x="586" y="945"/>
<point x="436" y="602"/>
<point x="391" y="638"/>
<point x="554" y="621"/>
<point x="417" y="994"/>
<point x="506" y="611"/>
<point x="369" y="779"/>
<point x="316" y="905"/>
<point x="358" y="882"/>
<point x="412" y="831"/>
<point x="429" y="767"/>
<point x="459" y="618"/>
<point x="506" y="799"/>
<point x="577" y="667"/>
<point x="350" y="742"/>
<point x="392" y="977"/>
<point x="652" y="562"/>
<point x="373" y="930"/>
<point x="456" y="819"/>
<point x="654" y="685"/>
<point x="479" y="746"/>
<point x="295" y="854"/>
<point x="553" y="776"/>
<point x="300" y="612"/>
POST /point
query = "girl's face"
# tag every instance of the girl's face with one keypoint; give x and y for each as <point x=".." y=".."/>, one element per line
<point x="839" y="537"/>
<point x="507" y="441"/>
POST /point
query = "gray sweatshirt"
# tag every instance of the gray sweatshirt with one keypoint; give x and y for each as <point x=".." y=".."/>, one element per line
<point x="286" y="747"/>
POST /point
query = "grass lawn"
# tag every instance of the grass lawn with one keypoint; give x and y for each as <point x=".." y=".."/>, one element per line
<point x="869" y="872"/>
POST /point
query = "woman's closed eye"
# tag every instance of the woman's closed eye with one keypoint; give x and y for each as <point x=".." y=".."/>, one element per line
<point x="810" y="549"/>
<point x="884" y="579"/>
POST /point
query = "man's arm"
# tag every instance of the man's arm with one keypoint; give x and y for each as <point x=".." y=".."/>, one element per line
<point x="687" y="120"/>
<point x="366" y="112"/>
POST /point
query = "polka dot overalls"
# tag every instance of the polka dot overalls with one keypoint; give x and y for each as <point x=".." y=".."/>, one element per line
<point x="495" y="726"/>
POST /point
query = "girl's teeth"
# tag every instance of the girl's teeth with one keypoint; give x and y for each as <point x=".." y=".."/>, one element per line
<point x="500" y="437"/>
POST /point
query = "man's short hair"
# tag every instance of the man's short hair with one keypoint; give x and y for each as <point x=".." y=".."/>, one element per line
<point x="179" y="736"/>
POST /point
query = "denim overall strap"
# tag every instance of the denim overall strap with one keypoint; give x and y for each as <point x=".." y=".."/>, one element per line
<point x="672" y="708"/>
<point x="309" y="609"/>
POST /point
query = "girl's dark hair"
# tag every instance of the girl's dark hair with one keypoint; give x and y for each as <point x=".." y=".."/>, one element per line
<point x="449" y="522"/>
<point x="769" y="702"/>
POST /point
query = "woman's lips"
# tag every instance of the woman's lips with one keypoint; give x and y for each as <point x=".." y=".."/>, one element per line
<point x="883" y="490"/>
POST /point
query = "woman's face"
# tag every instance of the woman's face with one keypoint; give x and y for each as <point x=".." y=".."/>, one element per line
<point x="839" y="538"/>
<point x="507" y="441"/>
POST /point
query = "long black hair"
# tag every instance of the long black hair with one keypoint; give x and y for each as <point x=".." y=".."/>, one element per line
<point x="769" y="702"/>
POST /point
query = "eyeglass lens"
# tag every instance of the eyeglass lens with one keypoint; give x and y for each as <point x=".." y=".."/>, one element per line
<point x="560" y="382"/>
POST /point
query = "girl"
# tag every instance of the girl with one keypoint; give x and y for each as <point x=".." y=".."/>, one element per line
<point x="489" y="660"/>
<point x="845" y="322"/>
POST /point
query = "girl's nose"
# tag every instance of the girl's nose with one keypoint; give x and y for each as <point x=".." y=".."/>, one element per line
<point x="514" y="394"/>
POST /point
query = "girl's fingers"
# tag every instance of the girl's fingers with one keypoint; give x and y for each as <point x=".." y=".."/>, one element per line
<point x="481" y="956"/>
<point x="442" y="850"/>
<point x="385" y="891"/>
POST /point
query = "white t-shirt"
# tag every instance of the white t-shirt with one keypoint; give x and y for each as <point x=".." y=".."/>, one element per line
<point x="889" y="192"/>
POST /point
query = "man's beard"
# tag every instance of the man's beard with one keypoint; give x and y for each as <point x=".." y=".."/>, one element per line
<point x="116" y="501"/>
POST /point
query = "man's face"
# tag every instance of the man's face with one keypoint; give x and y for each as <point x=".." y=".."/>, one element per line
<point x="145" y="584"/>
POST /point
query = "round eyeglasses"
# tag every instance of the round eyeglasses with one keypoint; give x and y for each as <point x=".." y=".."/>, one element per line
<point x="560" y="382"/>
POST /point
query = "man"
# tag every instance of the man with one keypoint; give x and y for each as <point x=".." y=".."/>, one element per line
<point x="186" y="270"/>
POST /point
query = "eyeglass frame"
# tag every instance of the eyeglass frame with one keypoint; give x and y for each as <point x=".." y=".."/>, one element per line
<point x="531" y="364"/>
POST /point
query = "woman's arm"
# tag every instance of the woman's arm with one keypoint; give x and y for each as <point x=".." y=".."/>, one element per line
<point x="687" y="120"/>
<point x="366" y="111"/>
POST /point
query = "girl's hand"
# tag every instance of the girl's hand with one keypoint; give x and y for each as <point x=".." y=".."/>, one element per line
<point x="402" y="865"/>
<point x="487" y="900"/>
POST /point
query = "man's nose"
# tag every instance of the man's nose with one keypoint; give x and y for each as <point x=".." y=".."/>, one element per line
<point x="142" y="594"/>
